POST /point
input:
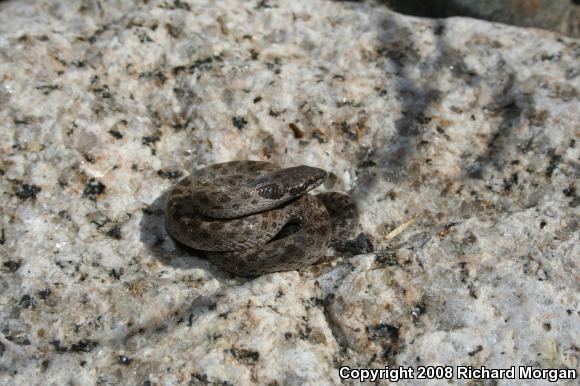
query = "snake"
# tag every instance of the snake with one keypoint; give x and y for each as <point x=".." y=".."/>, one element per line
<point x="253" y="217"/>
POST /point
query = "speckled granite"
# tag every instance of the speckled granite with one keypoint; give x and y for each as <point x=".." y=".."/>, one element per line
<point x="465" y="131"/>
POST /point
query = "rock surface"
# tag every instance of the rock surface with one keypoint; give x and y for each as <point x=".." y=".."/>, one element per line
<point x="464" y="132"/>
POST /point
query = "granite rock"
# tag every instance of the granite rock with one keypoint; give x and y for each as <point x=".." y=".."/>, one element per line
<point x="457" y="138"/>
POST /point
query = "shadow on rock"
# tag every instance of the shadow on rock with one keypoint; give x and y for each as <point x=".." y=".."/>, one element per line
<point x="391" y="161"/>
<point x="555" y="15"/>
<point x="396" y="160"/>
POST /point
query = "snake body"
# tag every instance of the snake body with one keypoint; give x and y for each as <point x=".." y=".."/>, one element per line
<point x="253" y="217"/>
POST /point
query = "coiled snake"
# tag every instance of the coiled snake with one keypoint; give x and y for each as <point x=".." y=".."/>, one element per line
<point x="253" y="217"/>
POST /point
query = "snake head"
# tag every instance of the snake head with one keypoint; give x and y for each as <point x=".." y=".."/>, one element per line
<point x="289" y="183"/>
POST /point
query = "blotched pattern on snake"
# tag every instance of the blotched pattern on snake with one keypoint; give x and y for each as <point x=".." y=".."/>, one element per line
<point x="253" y="217"/>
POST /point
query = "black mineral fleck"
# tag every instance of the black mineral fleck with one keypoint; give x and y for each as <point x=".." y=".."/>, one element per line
<point x="26" y="191"/>
<point x="382" y="331"/>
<point x="114" y="232"/>
<point x="239" y="122"/>
<point x="244" y="355"/>
<point x="12" y="265"/>
<point x="124" y="360"/>
<point x="150" y="139"/>
<point x="170" y="174"/>
<point x="45" y="293"/>
<point x="27" y="301"/>
<point x="116" y="133"/>
<point x="93" y="188"/>
<point x="83" y="346"/>
<point x="554" y="161"/>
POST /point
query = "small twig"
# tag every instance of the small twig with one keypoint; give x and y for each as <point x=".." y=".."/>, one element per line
<point x="398" y="230"/>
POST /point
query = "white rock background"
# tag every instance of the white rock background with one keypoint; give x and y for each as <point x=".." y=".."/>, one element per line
<point x="467" y="129"/>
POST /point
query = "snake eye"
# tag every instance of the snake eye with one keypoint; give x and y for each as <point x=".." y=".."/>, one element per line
<point x="271" y="191"/>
